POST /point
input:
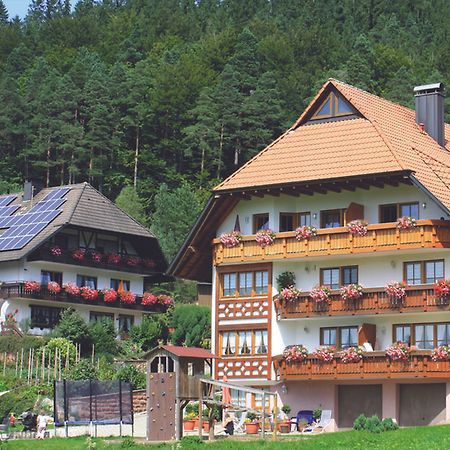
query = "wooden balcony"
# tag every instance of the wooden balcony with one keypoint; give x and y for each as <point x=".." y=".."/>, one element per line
<point x="374" y="301"/>
<point x="374" y="365"/>
<point x="338" y="241"/>
<point x="17" y="290"/>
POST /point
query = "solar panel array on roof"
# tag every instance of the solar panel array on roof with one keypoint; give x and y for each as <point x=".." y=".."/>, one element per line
<point x="7" y="199"/>
<point x="23" y="228"/>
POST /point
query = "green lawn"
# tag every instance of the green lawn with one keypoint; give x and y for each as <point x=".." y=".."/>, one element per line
<point x="420" y="438"/>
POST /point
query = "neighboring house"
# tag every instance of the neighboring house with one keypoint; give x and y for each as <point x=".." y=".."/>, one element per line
<point x="62" y="247"/>
<point x="351" y="155"/>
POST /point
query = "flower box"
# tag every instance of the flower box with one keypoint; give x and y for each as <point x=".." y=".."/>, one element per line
<point x="252" y="427"/>
<point x="396" y="292"/>
<point x="110" y="295"/>
<point x="89" y="294"/>
<point x="79" y="254"/>
<point x="305" y="232"/>
<point x="398" y="352"/>
<point x="442" y="289"/>
<point x="351" y="292"/>
<point x="53" y="287"/>
<point x="129" y="298"/>
<point x="231" y="239"/>
<point x="264" y="238"/>
<point x="289" y="293"/>
<point x="357" y="227"/>
<point x="295" y="353"/>
<point x="320" y="294"/>
<point x="324" y="353"/>
<point x="441" y="353"/>
<point x="351" y="355"/>
<point x="32" y="286"/>
<point x="406" y="223"/>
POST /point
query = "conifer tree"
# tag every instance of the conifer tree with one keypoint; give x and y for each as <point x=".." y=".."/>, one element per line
<point x="3" y="13"/>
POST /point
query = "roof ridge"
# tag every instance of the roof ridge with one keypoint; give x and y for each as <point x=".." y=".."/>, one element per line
<point x="421" y="155"/>
<point x="78" y="201"/>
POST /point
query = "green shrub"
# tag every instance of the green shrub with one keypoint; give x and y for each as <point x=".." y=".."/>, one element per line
<point x="132" y="375"/>
<point x="128" y="442"/>
<point x="360" y="423"/>
<point x="192" y="407"/>
<point x="191" y="442"/>
<point x="83" y="370"/>
<point x="286" y="409"/>
<point x="389" y="424"/>
<point x="64" y="346"/>
<point x="285" y="279"/>
<point x="374" y="425"/>
<point x="151" y="329"/>
<point x="103" y="336"/>
<point x="73" y="327"/>
<point x="251" y="416"/>
<point x="106" y="369"/>
<point x="192" y="325"/>
<point x="15" y="344"/>
<point x="317" y="414"/>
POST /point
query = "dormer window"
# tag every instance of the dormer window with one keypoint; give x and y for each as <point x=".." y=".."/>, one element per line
<point x="333" y="106"/>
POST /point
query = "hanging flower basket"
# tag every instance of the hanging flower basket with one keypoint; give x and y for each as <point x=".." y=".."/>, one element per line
<point x="324" y="353"/>
<point x="113" y="258"/>
<point x="133" y="261"/>
<point x="79" y="254"/>
<point x="305" y="232"/>
<point x="442" y="289"/>
<point x="96" y="256"/>
<point x="231" y="239"/>
<point x="398" y="352"/>
<point x="406" y="223"/>
<point x="320" y="294"/>
<point x="295" y="353"/>
<point x="351" y="292"/>
<point x="351" y="355"/>
<point x="441" y="353"/>
<point x="55" y="251"/>
<point x="264" y="238"/>
<point x="357" y="227"/>
<point x="289" y="294"/>
<point x="71" y="289"/>
<point x="395" y="291"/>
<point x="89" y="294"/>
<point x="128" y="298"/>
<point x="32" y="286"/>
<point x="53" y="287"/>
<point x="149" y="299"/>
<point x="110" y="295"/>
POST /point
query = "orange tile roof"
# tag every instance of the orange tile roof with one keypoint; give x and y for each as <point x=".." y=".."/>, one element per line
<point x="386" y="139"/>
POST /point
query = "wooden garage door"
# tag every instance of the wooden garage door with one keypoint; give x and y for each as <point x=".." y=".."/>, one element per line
<point x="422" y="404"/>
<point x="358" y="399"/>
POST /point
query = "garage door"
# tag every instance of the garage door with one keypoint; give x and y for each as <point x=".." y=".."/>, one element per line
<point x="422" y="404"/>
<point x="356" y="400"/>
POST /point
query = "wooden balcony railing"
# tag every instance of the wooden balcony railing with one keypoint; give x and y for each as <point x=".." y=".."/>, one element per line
<point x="374" y="301"/>
<point x="17" y="290"/>
<point x="374" y="365"/>
<point x="338" y="241"/>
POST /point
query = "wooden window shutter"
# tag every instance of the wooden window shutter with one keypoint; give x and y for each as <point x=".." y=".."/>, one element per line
<point x="354" y="211"/>
<point x="367" y="333"/>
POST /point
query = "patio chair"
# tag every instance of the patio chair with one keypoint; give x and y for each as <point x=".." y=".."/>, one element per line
<point x="305" y="415"/>
<point x="239" y="423"/>
<point x="319" y="427"/>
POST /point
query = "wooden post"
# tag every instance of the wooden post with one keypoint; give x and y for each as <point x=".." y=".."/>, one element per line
<point x="93" y="353"/>
<point x="211" y="419"/>
<point x="37" y="369"/>
<point x="54" y="366"/>
<point x="43" y="366"/>
<point x="17" y="362"/>
<point x="21" y="363"/>
<point x="200" y="411"/>
<point x="275" y="417"/>
<point x="30" y="373"/>
<point x="264" y="416"/>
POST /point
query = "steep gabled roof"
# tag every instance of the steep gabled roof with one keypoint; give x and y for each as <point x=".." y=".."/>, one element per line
<point x="84" y="207"/>
<point x="383" y="139"/>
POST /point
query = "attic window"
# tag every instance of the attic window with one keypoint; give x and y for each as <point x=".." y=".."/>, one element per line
<point x="333" y="106"/>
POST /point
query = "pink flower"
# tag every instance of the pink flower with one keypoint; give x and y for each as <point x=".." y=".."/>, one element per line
<point x="289" y="293"/>
<point x="133" y="261"/>
<point x="88" y="293"/>
<point x="113" y="258"/>
<point x="395" y="290"/>
<point x="149" y="299"/>
<point x="128" y="297"/>
<point x="351" y="355"/>
<point x="442" y="288"/>
<point x="441" y="353"/>
<point x="79" y="254"/>
<point x="71" y="289"/>
<point x="55" y="251"/>
<point x="357" y="227"/>
<point x="165" y="300"/>
<point x="406" y="223"/>
<point x="265" y="237"/>
<point x="324" y="353"/>
<point x="231" y="239"/>
<point x="351" y="292"/>
<point x="53" y="287"/>
<point x="305" y="232"/>
<point x="32" y="286"/>
<point x="320" y="294"/>
<point x="295" y="353"/>
<point x="398" y="352"/>
<point x="96" y="256"/>
<point x="109" y="295"/>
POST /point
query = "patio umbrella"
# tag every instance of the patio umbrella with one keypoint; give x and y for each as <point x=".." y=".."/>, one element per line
<point x="226" y="394"/>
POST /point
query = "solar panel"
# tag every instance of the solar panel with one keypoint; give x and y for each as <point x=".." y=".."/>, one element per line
<point x="24" y="227"/>
<point x="6" y="211"/>
<point x="7" y="199"/>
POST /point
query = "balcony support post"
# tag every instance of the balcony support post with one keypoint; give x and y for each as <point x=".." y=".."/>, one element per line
<point x="390" y="400"/>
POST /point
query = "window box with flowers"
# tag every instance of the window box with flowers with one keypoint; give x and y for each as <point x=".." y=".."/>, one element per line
<point x="133" y="261"/>
<point x="398" y="351"/>
<point x="71" y="289"/>
<point x="113" y="258"/>
<point x="351" y="355"/>
<point x="396" y="292"/>
<point x="32" y="287"/>
<point x="96" y="256"/>
<point x="351" y="292"/>
<point x="149" y="299"/>
<point x="441" y="353"/>
<point x="89" y="294"/>
<point x="53" y="287"/>
<point x="265" y="238"/>
<point x="165" y="300"/>
<point x="289" y="294"/>
<point x="148" y="263"/>
<point x="406" y="223"/>
<point x="110" y="295"/>
<point x="324" y="353"/>
<point x="320" y="294"/>
<point x="442" y="290"/>
<point x="56" y="251"/>
<point x="128" y="298"/>
<point x="305" y="232"/>
<point x="251" y="424"/>
<point x="231" y="239"/>
<point x="79" y="254"/>
<point x="295" y="353"/>
<point x="357" y="227"/>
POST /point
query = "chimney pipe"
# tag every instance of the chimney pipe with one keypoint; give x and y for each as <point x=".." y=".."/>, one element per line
<point x="30" y="189"/>
<point x="430" y="110"/>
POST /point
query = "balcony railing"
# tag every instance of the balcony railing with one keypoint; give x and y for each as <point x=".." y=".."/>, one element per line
<point x="338" y="241"/>
<point x="373" y="301"/>
<point x="17" y="290"/>
<point x="125" y="263"/>
<point x="374" y="365"/>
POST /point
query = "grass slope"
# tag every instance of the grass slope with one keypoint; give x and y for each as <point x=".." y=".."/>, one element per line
<point x="419" y="438"/>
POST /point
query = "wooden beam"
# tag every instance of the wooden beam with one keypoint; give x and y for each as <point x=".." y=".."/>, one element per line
<point x="256" y="194"/>
<point x="273" y="193"/>
<point x="291" y="193"/>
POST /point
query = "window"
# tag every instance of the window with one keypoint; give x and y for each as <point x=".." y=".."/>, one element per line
<point x="245" y="283"/>
<point x="125" y="324"/>
<point x="116" y="284"/>
<point x="423" y="335"/>
<point x="339" y="337"/>
<point x="390" y="213"/>
<point x="423" y="272"/>
<point x="290" y="221"/>
<point x="244" y="342"/>
<point x="47" y="276"/>
<point x="261" y="282"/>
<point x="95" y="316"/>
<point x="84" y="280"/>
<point x="44" y="316"/>
<point x="332" y="218"/>
<point x="260" y="222"/>
<point x="229" y="284"/>
<point x="238" y="398"/>
<point x="333" y="105"/>
<point x="336" y="277"/>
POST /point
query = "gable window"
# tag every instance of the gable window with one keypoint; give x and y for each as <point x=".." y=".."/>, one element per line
<point x="119" y="284"/>
<point x="47" y="276"/>
<point x="336" y="277"/>
<point x="390" y="213"/>
<point x="84" y="280"/>
<point x="424" y="336"/>
<point x="423" y="272"/>
<point x="339" y="337"/>
<point x="332" y="218"/>
<point x="260" y="222"/>
<point x="44" y="316"/>
<point x="333" y="106"/>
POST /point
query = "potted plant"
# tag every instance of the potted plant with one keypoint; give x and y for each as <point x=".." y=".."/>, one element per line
<point x="205" y="415"/>
<point x="295" y="353"/>
<point x="251" y="424"/>
<point x="285" y="425"/>
<point x="351" y="355"/>
<point x="320" y="294"/>
<point x="305" y="232"/>
<point x="288" y="294"/>
<point x="357" y="227"/>
<point x="265" y="237"/>
<point x="399" y="351"/>
<point x="441" y="353"/>
<point x="231" y="239"/>
<point x="406" y="223"/>
<point x="324" y="353"/>
<point x="396" y="292"/>
<point x="188" y="422"/>
<point x="442" y="290"/>
<point x="351" y="292"/>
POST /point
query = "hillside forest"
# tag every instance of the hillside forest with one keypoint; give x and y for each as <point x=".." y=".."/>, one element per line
<point x="168" y="97"/>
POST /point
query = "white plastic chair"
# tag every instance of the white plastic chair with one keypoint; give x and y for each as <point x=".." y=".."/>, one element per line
<point x="319" y="427"/>
<point x="239" y="423"/>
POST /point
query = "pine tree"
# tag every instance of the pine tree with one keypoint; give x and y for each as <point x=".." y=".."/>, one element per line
<point x="4" y="17"/>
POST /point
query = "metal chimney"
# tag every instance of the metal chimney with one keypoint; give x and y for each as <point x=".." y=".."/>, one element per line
<point x="430" y="110"/>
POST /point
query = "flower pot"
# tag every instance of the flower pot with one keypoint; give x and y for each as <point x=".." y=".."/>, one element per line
<point x="284" y="427"/>
<point x="188" y="425"/>
<point x="252" y="428"/>
<point x="196" y="423"/>
<point x="206" y="427"/>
